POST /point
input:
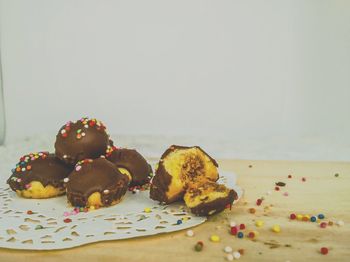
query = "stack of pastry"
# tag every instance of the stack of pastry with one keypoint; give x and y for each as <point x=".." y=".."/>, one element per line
<point x="190" y="174"/>
<point x="86" y="165"/>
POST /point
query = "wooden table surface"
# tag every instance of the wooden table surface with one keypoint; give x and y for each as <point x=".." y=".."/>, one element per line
<point x="322" y="192"/>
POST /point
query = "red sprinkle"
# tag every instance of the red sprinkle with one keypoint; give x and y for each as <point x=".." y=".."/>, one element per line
<point x="234" y="230"/>
<point x="258" y="201"/>
<point x="277" y="188"/>
<point x="324" y="250"/>
<point x="323" y="225"/>
<point x="67" y="220"/>
<point x="251" y="235"/>
<point x="242" y="226"/>
<point x="292" y="216"/>
<point x="29" y="212"/>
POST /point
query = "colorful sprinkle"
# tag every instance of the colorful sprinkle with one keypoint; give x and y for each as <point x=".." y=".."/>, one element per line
<point x="340" y="223"/>
<point x="236" y="255"/>
<point x="229" y="257"/>
<point x="306" y="218"/>
<point x="292" y="216"/>
<point x="199" y="246"/>
<point x="252" y="210"/>
<point x="66" y="180"/>
<point x="323" y="225"/>
<point x="303" y="179"/>
<point x="258" y="201"/>
<point x="324" y="250"/>
<point x="232" y="224"/>
<point x="242" y="226"/>
<point x="214" y="238"/>
<point x="39" y="227"/>
<point x="29" y="212"/>
<point x="240" y="234"/>
<point x="234" y="230"/>
<point x="77" y="168"/>
<point x="320" y="216"/>
<point x="179" y="222"/>
<point x="289" y="176"/>
<point x="228" y="249"/>
<point x="147" y="210"/>
<point x="299" y="217"/>
<point x="259" y="223"/>
<point x="313" y="219"/>
<point x="251" y="234"/>
<point x="277" y="188"/>
<point x="67" y="220"/>
<point x="276" y="228"/>
<point x="189" y="233"/>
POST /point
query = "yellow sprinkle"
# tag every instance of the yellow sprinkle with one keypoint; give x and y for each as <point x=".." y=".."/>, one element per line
<point x="299" y="217"/>
<point x="215" y="238"/>
<point x="307" y="216"/>
<point x="259" y="223"/>
<point x="147" y="210"/>
<point x="92" y="208"/>
<point x="276" y="228"/>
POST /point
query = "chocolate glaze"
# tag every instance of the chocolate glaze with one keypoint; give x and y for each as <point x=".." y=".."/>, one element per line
<point x="93" y="176"/>
<point x="85" y="138"/>
<point x="132" y="161"/>
<point x="218" y="205"/>
<point x="162" y="179"/>
<point x="47" y="169"/>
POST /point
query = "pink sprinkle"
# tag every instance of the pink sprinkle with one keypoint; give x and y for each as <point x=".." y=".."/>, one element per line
<point x="75" y="212"/>
<point x="66" y="214"/>
<point x="323" y="225"/>
<point x="77" y="168"/>
<point x="19" y="180"/>
<point x="27" y="186"/>
<point x="285" y="194"/>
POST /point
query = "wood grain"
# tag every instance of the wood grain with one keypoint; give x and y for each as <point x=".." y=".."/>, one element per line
<point x="322" y="192"/>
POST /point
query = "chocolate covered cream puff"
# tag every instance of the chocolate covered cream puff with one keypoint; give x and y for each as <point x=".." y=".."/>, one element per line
<point x="39" y="175"/>
<point x="178" y="167"/>
<point x="83" y="139"/>
<point x="97" y="183"/>
<point x="131" y="162"/>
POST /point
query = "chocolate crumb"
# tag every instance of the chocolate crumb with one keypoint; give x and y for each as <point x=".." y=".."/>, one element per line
<point x="280" y="184"/>
<point x="336" y="175"/>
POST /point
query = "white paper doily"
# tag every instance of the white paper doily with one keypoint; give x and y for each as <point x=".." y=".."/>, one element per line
<point x="46" y="229"/>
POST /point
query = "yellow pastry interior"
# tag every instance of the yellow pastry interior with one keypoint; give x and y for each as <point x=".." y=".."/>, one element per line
<point x="37" y="190"/>
<point x="188" y="166"/>
<point x="125" y="172"/>
<point x="94" y="200"/>
<point x="205" y="193"/>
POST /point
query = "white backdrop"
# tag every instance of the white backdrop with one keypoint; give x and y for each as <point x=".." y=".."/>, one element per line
<point x="247" y="71"/>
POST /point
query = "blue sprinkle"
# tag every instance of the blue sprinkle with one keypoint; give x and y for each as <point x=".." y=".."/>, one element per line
<point x="313" y="219"/>
<point x="321" y="216"/>
<point x="240" y="235"/>
<point x="179" y="222"/>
